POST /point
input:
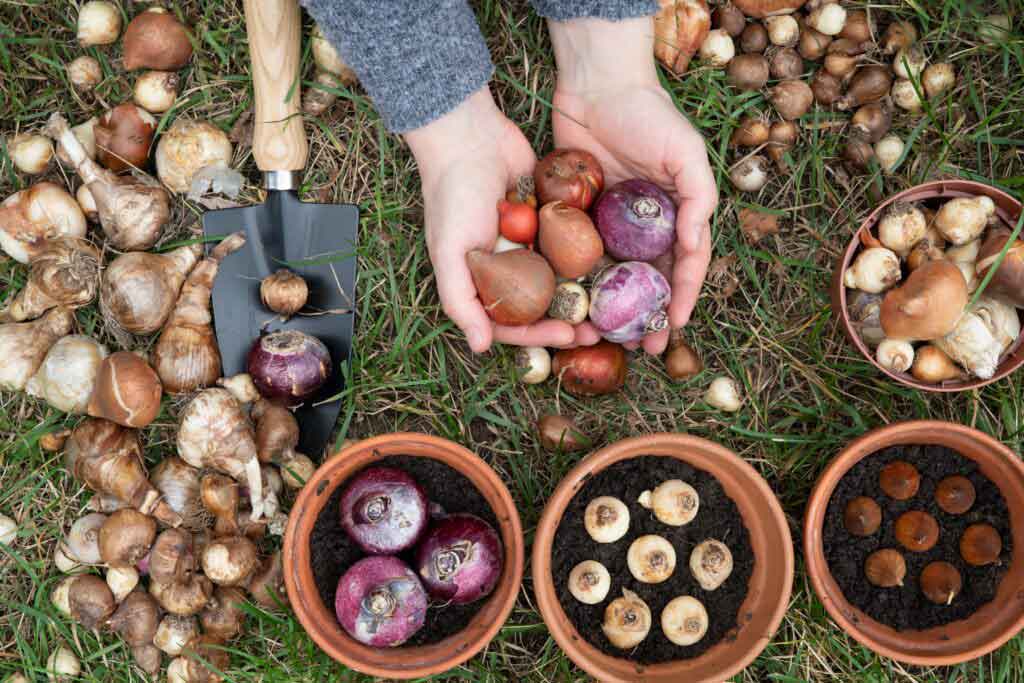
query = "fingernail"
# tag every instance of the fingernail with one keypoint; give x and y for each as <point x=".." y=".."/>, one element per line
<point x="475" y="339"/>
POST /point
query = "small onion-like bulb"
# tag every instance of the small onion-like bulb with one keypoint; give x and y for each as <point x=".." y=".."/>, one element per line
<point x="783" y="30"/>
<point x="674" y="502"/>
<point x="724" y="394"/>
<point x="533" y="363"/>
<point x="980" y="545"/>
<point x="906" y="97"/>
<point x="754" y="38"/>
<point x="99" y="23"/>
<point x="30" y="153"/>
<point x="83" y="540"/>
<point x="8" y="530"/>
<point x="963" y="219"/>
<point x="874" y="271"/>
<point x="589" y="582"/>
<point x="899" y="480"/>
<point x="888" y="151"/>
<point x="717" y="48"/>
<point x="84" y="73"/>
<point x="627" y="620"/>
<point x="155" y="91"/>
<point x="917" y="531"/>
<point x="932" y="365"/>
<point x="895" y="355"/>
<point x="651" y="559"/>
<point x="60" y="597"/>
<point x="862" y="516"/>
<point x="885" y="568"/>
<point x="296" y="470"/>
<point x="606" y="519"/>
<point x="90" y="600"/>
<point x="122" y="581"/>
<point x="955" y="494"/>
<point x="174" y="633"/>
<point x="570" y="303"/>
<point x="940" y="582"/>
<point x="230" y="560"/>
<point x="829" y="19"/>
<point x="177" y="671"/>
<point x="64" y="562"/>
<point x="126" y="537"/>
<point x="62" y="665"/>
<point x="938" y="78"/>
<point x="684" y="620"/>
<point x="750" y="175"/>
<point x="711" y="564"/>
<point x="901" y="228"/>
<point x="909" y="63"/>
<point x="284" y="292"/>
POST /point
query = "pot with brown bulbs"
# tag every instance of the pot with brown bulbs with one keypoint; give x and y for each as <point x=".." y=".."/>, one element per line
<point x="921" y="512"/>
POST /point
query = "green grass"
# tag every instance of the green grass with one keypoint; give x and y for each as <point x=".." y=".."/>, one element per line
<point x="808" y="391"/>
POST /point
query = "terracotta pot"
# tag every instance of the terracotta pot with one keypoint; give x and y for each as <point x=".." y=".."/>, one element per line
<point x="319" y="620"/>
<point x="960" y="641"/>
<point x="770" y="583"/>
<point x="1007" y="208"/>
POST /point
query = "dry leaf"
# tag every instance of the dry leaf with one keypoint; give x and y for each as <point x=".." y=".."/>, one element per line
<point x="757" y="225"/>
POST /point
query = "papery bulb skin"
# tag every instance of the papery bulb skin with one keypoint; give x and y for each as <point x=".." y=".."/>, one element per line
<point x="380" y="602"/>
<point x="384" y="510"/>
<point x="65" y="272"/>
<point x="288" y="365"/>
<point x="23" y="346"/>
<point x="138" y="290"/>
<point x="30" y="217"/>
<point x="460" y="559"/>
<point x="628" y="301"/>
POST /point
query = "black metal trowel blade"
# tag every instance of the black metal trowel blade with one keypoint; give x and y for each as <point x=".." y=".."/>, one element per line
<point x="318" y="242"/>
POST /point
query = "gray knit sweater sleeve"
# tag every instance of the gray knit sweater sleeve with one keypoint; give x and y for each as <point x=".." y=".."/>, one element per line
<point x="419" y="59"/>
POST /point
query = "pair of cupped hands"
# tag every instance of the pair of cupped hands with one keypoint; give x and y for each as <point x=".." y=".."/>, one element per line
<point x="609" y="102"/>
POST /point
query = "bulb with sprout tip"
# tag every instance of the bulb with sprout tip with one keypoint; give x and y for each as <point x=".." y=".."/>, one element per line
<point x="606" y="519"/>
<point x="862" y="516"/>
<point x="917" y="531"/>
<point x="589" y="582"/>
<point x="627" y="620"/>
<point x="900" y="480"/>
<point x="674" y="502"/>
<point x="955" y="495"/>
<point x="940" y="582"/>
<point x="885" y="568"/>
<point x="980" y="545"/>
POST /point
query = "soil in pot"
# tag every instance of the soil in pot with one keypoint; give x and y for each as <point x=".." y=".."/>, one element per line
<point x="332" y="552"/>
<point x="906" y="607"/>
<point x="717" y="518"/>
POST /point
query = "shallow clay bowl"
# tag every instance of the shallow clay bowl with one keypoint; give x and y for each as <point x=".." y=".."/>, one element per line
<point x="319" y="620"/>
<point x="985" y="630"/>
<point x="1007" y="208"/>
<point x="770" y="584"/>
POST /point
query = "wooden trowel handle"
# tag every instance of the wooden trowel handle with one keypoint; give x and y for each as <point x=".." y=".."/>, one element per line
<point x="274" y="28"/>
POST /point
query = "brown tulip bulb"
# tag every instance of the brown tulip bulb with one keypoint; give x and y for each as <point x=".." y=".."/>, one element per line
<point x="885" y="568"/>
<point x="862" y="517"/>
<point x="980" y="545"/>
<point x="940" y="582"/>
<point x="754" y="38"/>
<point x="900" y="480"/>
<point x="917" y="531"/>
<point x="955" y="494"/>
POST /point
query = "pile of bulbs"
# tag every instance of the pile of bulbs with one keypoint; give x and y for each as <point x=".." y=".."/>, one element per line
<point x="758" y="41"/>
<point x="651" y="559"/>
<point x="946" y="254"/>
<point x="918" y="532"/>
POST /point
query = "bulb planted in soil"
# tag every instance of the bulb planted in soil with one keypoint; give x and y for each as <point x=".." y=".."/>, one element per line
<point x="917" y="531"/>
<point x="606" y="519"/>
<point x="684" y="621"/>
<point x="885" y="568"/>
<point x="627" y="620"/>
<point x="940" y="582"/>
<point x="980" y="545"/>
<point x="862" y="517"/>
<point x="589" y="582"/>
<point x="955" y="494"/>
<point x="900" y="480"/>
<point x="711" y="564"/>
<point x="651" y="559"/>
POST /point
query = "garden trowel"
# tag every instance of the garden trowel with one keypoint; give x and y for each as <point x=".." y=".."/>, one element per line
<point x="317" y="241"/>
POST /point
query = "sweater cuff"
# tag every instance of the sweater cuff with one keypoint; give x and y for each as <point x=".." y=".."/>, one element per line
<point x="417" y="60"/>
<point x="613" y="10"/>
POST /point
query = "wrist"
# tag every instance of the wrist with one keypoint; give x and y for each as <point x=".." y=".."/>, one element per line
<point x="471" y="120"/>
<point x="594" y="55"/>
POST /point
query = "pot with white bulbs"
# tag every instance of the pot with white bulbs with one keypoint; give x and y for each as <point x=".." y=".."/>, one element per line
<point x="930" y="248"/>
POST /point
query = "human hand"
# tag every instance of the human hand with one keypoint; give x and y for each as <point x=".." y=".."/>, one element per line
<point x="467" y="160"/>
<point x="608" y="101"/>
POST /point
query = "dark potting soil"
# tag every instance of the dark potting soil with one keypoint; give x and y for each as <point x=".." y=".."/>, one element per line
<point x="332" y="552"/>
<point x="906" y="607"/>
<point x="717" y="517"/>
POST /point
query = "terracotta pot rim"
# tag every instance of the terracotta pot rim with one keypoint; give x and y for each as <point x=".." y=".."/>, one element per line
<point x="717" y="461"/>
<point x="1007" y="208"/>
<point x="926" y="432"/>
<point x="403" y="662"/>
